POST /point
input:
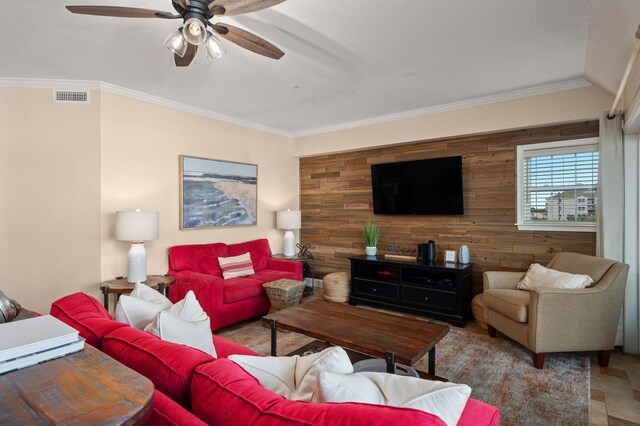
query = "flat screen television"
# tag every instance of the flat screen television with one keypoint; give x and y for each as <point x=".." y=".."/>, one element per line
<point x="421" y="187"/>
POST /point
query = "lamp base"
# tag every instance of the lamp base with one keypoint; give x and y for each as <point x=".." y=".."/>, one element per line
<point x="289" y="244"/>
<point x="137" y="263"/>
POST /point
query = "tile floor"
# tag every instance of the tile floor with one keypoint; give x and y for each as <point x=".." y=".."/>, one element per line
<point x="615" y="390"/>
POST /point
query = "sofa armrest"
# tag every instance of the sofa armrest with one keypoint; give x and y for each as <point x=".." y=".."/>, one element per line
<point x="208" y="289"/>
<point x="501" y="279"/>
<point x="563" y="320"/>
<point x="286" y="265"/>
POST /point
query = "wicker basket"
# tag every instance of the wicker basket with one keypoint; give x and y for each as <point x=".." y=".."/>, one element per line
<point x="284" y="293"/>
<point x="477" y="308"/>
<point x="336" y="287"/>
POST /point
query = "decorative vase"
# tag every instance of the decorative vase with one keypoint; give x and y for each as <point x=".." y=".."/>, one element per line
<point x="371" y="251"/>
<point x="463" y="256"/>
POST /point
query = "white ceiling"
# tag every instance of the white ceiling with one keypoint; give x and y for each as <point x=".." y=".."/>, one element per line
<point x="346" y="61"/>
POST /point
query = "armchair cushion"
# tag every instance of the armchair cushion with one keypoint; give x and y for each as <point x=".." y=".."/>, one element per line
<point x="510" y="303"/>
<point x="540" y="277"/>
<point x="595" y="267"/>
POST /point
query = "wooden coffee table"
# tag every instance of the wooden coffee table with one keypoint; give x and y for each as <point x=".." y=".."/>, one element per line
<point x="379" y="334"/>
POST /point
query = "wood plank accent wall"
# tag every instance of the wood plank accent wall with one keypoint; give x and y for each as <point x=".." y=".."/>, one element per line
<point x="336" y="201"/>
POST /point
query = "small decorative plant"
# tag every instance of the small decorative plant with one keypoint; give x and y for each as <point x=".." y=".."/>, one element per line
<point x="371" y="234"/>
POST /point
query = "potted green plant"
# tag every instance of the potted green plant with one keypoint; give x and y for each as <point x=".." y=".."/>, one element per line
<point x="371" y="234"/>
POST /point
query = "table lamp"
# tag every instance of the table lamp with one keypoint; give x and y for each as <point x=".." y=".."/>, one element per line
<point x="137" y="227"/>
<point x="289" y="220"/>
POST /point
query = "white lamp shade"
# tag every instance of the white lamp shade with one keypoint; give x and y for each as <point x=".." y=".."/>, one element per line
<point x="288" y="219"/>
<point x="137" y="226"/>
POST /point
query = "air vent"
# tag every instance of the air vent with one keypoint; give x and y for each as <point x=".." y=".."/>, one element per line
<point x="71" y="97"/>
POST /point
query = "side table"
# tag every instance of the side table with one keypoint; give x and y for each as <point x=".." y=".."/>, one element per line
<point x="121" y="286"/>
<point x="307" y="269"/>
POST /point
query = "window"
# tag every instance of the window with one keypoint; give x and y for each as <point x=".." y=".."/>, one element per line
<point x="558" y="186"/>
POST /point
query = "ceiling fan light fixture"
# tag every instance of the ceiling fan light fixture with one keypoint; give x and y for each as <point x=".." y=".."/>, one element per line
<point x="194" y="31"/>
<point x="215" y="49"/>
<point x="176" y="43"/>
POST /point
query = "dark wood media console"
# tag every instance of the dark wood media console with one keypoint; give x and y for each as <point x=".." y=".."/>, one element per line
<point x="440" y="290"/>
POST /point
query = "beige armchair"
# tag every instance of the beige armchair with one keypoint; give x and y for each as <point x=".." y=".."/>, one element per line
<point x="559" y="320"/>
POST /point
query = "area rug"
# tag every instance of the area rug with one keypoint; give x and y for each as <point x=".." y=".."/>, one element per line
<point x="499" y="371"/>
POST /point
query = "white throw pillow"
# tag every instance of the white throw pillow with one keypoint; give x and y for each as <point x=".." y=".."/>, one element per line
<point x="445" y="400"/>
<point x="140" y="307"/>
<point x="185" y="323"/>
<point x="540" y="277"/>
<point x="294" y="376"/>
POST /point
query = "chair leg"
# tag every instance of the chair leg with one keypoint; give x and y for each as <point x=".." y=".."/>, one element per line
<point x="491" y="330"/>
<point x="538" y="360"/>
<point x="603" y="358"/>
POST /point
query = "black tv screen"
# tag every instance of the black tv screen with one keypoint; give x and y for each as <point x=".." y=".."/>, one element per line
<point x="421" y="187"/>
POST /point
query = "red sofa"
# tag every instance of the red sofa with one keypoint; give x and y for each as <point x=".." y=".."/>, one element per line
<point x="193" y="388"/>
<point x="195" y="267"/>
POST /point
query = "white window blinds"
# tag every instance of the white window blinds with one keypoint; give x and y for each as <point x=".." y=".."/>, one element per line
<point x="558" y="184"/>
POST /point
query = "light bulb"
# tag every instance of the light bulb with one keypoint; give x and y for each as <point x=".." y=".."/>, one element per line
<point x="214" y="48"/>
<point x="176" y="43"/>
<point x="194" y="31"/>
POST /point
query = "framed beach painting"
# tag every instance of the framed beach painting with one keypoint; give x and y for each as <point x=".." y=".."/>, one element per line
<point x="216" y="193"/>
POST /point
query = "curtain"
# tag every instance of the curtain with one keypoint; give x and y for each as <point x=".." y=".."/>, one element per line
<point x="610" y="236"/>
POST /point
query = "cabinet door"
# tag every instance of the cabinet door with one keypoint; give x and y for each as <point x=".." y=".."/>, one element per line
<point x="376" y="271"/>
<point x="376" y="290"/>
<point x="434" y="278"/>
<point x="434" y="300"/>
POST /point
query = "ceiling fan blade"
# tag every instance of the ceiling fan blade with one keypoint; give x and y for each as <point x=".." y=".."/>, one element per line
<point x="188" y="56"/>
<point x="121" y="12"/>
<point x="236" y="7"/>
<point x="248" y="40"/>
<point x="182" y="3"/>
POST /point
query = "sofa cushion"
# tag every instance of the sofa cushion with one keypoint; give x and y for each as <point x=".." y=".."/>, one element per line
<point x="246" y="402"/>
<point x="184" y="323"/>
<point x="201" y="258"/>
<point x="268" y="275"/>
<point x="168" y="365"/>
<point x="167" y="412"/>
<point x="294" y="376"/>
<point x="236" y="266"/>
<point x="259" y="249"/>
<point x="445" y="400"/>
<point x="237" y="289"/>
<point x="225" y="347"/>
<point x="510" y="303"/>
<point x="85" y="314"/>
<point x="141" y="307"/>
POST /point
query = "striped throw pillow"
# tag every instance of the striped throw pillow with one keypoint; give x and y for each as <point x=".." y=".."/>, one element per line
<point x="236" y="266"/>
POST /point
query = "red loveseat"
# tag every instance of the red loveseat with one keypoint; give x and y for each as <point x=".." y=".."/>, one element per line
<point x="193" y="388"/>
<point x="195" y="267"/>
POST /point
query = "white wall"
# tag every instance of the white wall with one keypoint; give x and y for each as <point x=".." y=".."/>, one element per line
<point x="140" y="146"/>
<point x="560" y="107"/>
<point x="50" y="197"/>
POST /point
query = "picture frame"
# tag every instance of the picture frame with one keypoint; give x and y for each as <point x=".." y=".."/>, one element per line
<point x="450" y="256"/>
<point x="217" y="193"/>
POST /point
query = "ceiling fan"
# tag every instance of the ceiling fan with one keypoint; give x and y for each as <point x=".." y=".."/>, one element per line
<point x="196" y="14"/>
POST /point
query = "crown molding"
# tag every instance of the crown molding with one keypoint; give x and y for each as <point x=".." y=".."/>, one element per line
<point x="156" y="100"/>
<point x="453" y="106"/>
<point x="133" y="94"/>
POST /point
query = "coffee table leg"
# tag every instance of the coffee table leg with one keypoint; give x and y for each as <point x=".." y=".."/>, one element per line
<point x="432" y="361"/>
<point x="390" y="358"/>
<point x="274" y="335"/>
